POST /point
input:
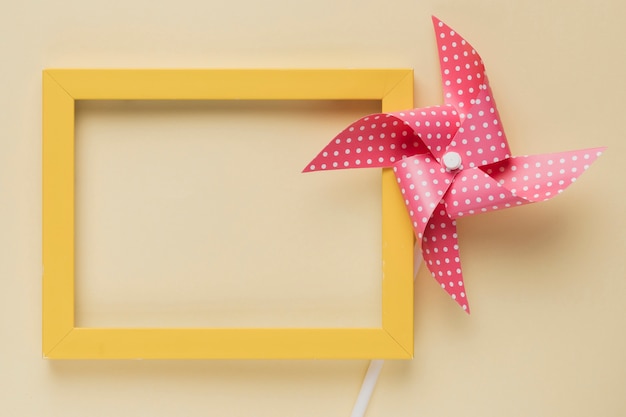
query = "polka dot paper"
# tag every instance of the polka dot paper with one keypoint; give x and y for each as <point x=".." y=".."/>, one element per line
<point x="452" y="160"/>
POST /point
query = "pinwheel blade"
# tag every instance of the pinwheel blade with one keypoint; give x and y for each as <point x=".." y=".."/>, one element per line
<point x="517" y="181"/>
<point x="481" y="140"/>
<point x="474" y="191"/>
<point x="374" y="141"/>
<point x="541" y="177"/>
<point x="440" y="248"/>
<point x="423" y="183"/>
<point x="434" y="125"/>
<point x="462" y="69"/>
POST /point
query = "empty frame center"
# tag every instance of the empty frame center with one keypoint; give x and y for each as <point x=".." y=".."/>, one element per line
<point x="196" y="214"/>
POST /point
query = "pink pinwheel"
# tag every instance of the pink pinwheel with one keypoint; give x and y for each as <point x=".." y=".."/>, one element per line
<point x="452" y="160"/>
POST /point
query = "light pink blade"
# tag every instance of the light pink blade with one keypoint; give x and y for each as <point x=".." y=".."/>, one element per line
<point x="541" y="177"/>
<point x="435" y="126"/>
<point x="423" y="183"/>
<point x="440" y="248"/>
<point x="374" y="141"/>
<point x="516" y="181"/>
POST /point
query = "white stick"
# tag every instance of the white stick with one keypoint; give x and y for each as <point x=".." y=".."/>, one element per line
<point x="367" y="388"/>
<point x="373" y="370"/>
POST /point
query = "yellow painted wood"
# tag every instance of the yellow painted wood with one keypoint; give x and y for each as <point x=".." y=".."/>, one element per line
<point x="58" y="213"/>
<point x="397" y="247"/>
<point x="62" y="340"/>
<point x="228" y="84"/>
<point x="400" y="97"/>
<point x="87" y="343"/>
<point x="397" y="239"/>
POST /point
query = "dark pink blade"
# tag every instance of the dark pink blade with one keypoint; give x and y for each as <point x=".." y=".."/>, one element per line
<point x="473" y="191"/>
<point x="462" y="70"/>
<point x="481" y="140"/>
<point x="440" y="248"/>
<point x="435" y="125"/>
<point x="374" y="141"/>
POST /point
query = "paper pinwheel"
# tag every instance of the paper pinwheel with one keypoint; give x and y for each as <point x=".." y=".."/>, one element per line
<point x="452" y="160"/>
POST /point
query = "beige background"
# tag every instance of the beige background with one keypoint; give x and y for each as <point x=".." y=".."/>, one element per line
<point x="547" y="332"/>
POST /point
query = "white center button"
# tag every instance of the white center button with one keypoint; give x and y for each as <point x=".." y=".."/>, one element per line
<point x="452" y="160"/>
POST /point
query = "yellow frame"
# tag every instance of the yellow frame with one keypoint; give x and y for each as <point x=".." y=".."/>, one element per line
<point x="63" y="340"/>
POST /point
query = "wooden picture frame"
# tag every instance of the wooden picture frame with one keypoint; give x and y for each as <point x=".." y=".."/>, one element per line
<point x="63" y="340"/>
